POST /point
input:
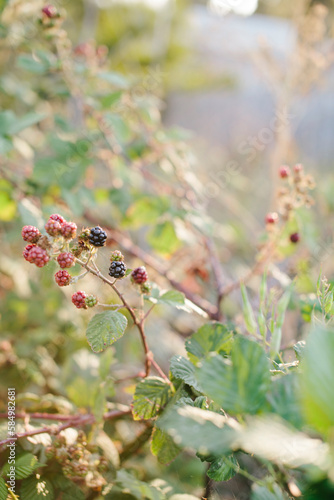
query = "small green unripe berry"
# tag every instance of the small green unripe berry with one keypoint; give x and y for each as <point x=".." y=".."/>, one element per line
<point x="116" y="255"/>
<point x="91" y="301"/>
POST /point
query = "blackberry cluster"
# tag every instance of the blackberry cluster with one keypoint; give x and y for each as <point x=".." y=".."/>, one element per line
<point x="63" y="277"/>
<point x="30" y="234"/>
<point x="97" y="237"/>
<point x="79" y="300"/>
<point x="117" y="269"/>
<point x="36" y="255"/>
<point x="66" y="259"/>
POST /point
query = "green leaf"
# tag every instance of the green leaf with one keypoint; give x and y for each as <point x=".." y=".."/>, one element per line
<point x="183" y="496"/>
<point x="25" y="121"/>
<point x="202" y="430"/>
<point x="110" y="99"/>
<point x="146" y="211"/>
<point x="242" y="386"/>
<point x="172" y="298"/>
<point x="277" y="333"/>
<point x="248" y="312"/>
<point x="163" y="238"/>
<point x="151" y="395"/>
<point x="163" y="447"/>
<point x="7" y="207"/>
<point x="270" y="438"/>
<point x="115" y="78"/>
<point x="211" y="337"/>
<point x="3" y="489"/>
<point x="71" y="490"/>
<point x="317" y="392"/>
<point x="104" y="329"/>
<point x="264" y="493"/>
<point x="284" y="398"/>
<point x="223" y="468"/>
<point x="24" y="466"/>
<point x="138" y="489"/>
<point x="299" y="349"/>
<point x="183" y="369"/>
<point x="33" y="489"/>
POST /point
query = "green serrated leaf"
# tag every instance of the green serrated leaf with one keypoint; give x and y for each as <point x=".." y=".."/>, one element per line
<point x="284" y="398"/>
<point x="203" y="430"/>
<point x="264" y="493"/>
<point x="183" y="369"/>
<point x="299" y="349"/>
<point x="138" y="489"/>
<point x="24" y="466"/>
<point x="172" y="298"/>
<point x="104" y="329"/>
<point x="211" y="337"/>
<point x="163" y="447"/>
<point x="3" y="489"/>
<point x="151" y="395"/>
<point x="223" y="468"/>
<point x="317" y="377"/>
<point x="242" y="386"/>
<point x="34" y="489"/>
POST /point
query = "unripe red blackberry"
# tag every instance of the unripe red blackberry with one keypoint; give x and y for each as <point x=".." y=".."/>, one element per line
<point x="117" y="269"/>
<point x="271" y="218"/>
<point x="50" y="11"/>
<point x="284" y="171"/>
<point x="139" y="275"/>
<point x="97" y="237"/>
<point x="69" y="230"/>
<point x="66" y="259"/>
<point x="26" y="252"/>
<point x="31" y="234"/>
<point x="116" y="255"/>
<point x="38" y="256"/>
<point x="63" y="277"/>
<point x="57" y="218"/>
<point x="91" y="301"/>
<point x="79" y="300"/>
<point x="294" y="238"/>
<point x="53" y="227"/>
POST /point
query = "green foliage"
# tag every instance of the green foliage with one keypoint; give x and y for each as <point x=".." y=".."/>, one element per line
<point x="151" y="395"/>
<point x="239" y="387"/>
<point x="104" y="329"/>
<point x="82" y="137"/>
<point x="317" y="389"/>
<point x="211" y="337"/>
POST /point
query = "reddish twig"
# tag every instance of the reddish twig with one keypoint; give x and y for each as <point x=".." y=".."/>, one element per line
<point x="76" y="421"/>
<point x="139" y="323"/>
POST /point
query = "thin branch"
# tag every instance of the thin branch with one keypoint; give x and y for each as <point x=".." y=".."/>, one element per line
<point x="139" y="323"/>
<point x="75" y="421"/>
<point x="156" y="264"/>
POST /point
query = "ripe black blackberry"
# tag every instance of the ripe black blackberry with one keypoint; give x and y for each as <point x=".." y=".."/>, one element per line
<point x="117" y="269"/>
<point x="97" y="237"/>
